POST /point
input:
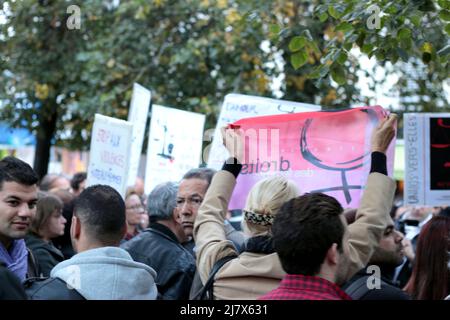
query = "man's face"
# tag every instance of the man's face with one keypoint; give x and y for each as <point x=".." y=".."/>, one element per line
<point x="189" y="198"/>
<point x="390" y="250"/>
<point x="344" y="256"/>
<point x="17" y="208"/>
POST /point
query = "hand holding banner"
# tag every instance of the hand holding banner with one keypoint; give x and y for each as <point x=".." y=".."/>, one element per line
<point x="321" y="151"/>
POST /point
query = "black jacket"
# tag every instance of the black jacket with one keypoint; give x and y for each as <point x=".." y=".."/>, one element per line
<point x="358" y="289"/>
<point x="159" y="248"/>
<point x="46" y="255"/>
<point x="10" y="286"/>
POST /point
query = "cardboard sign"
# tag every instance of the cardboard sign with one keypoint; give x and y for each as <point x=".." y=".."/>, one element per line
<point x="427" y="158"/>
<point x="238" y="106"/>
<point x="174" y="145"/>
<point x="325" y="152"/>
<point x="140" y="103"/>
<point x="109" y="154"/>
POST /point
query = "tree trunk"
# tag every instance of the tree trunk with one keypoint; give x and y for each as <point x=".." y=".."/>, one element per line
<point x="45" y="133"/>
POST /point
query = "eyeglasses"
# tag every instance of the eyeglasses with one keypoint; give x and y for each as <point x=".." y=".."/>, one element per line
<point x="194" y="202"/>
<point x="136" y="208"/>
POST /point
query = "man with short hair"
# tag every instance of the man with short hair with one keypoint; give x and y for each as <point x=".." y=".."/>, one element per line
<point x="317" y="249"/>
<point x="160" y="247"/>
<point x="191" y="193"/>
<point x="190" y="196"/>
<point x="18" y="198"/>
<point x="100" y="270"/>
<point x="381" y="268"/>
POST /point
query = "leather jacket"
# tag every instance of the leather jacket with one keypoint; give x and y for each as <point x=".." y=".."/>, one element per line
<point x="159" y="248"/>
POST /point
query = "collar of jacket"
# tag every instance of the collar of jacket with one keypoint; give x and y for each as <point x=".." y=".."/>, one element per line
<point x="160" y="228"/>
<point x="259" y="244"/>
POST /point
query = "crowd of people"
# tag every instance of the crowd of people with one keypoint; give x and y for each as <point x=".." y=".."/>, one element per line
<point x="60" y="240"/>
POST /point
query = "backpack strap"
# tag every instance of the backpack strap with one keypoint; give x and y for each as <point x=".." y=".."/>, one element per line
<point x="358" y="288"/>
<point x="206" y="293"/>
<point x="33" y="270"/>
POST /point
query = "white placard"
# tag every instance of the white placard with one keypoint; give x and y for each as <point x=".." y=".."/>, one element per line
<point x="238" y="106"/>
<point x="140" y="103"/>
<point x="174" y="145"/>
<point x="427" y="159"/>
<point x="109" y="153"/>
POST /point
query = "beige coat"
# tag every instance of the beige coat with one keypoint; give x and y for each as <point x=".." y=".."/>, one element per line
<point x="252" y="275"/>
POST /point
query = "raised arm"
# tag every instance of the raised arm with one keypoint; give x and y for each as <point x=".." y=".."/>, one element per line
<point x="373" y="213"/>
<point x="209" y="230"/>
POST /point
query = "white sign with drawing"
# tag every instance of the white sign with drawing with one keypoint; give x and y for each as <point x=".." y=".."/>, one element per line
<point x="109" y="153"/>
<point x="140" y="103"/>
<point x="174" y="145"/>
<point x="238" y="106"/>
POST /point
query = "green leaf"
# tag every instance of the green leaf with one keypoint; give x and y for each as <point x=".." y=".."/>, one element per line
<point x="360" y="40"/>
<point x="367" y="48"/>
<point x="297" y="43"/>
<point x="447" y="29"/>
<point x="348" y="45"/>
<point x="323" y="17"/>
<point x="342" y="58"/>
<point x="298" y="59"/>
<point x="415" y="19"/>
<point x="444" y="15"/>
<point x="344" y="27"/>
<point x="315" y="74"/>
<point x="338" y="74"/>
<point x="333" y="12"/>
<point x="380" y="55"/>
<point x="274" y="29"/>
<point x="404" y="33"/>
<point x="444" y="4"/>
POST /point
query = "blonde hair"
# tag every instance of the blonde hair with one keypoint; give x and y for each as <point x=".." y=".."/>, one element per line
<point x="266" y="197"/>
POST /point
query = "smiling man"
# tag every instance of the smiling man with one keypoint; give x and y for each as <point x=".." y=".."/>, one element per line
<point x="18" y="197"/>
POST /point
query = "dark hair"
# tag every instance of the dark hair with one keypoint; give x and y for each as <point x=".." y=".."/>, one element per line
<point x="15" y="170"/>
<point x="200" y="173"/>
<point x="101" y="210"/>
<point x="77" y="179"/>
<point x="430" y="276"/>
<point x="64" y="243"/>
<point x="303" y="231"/>
<point x="46" y="206"/>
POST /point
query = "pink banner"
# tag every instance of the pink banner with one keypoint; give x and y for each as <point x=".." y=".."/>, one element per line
<point x="321" y="151"/>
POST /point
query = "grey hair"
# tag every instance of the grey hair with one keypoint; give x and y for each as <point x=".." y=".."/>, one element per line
<point x="200" y="173"/>
<point x="162" y="201"/>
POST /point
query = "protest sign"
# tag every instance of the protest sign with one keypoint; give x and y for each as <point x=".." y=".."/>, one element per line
<point x="325" y="152"/>
<point x="109" y="153"/>
<point x="427" y="158"/>
<point x="174" y="145"/>
<point x="140" y="103"/>
<point x="238" y="106"/>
